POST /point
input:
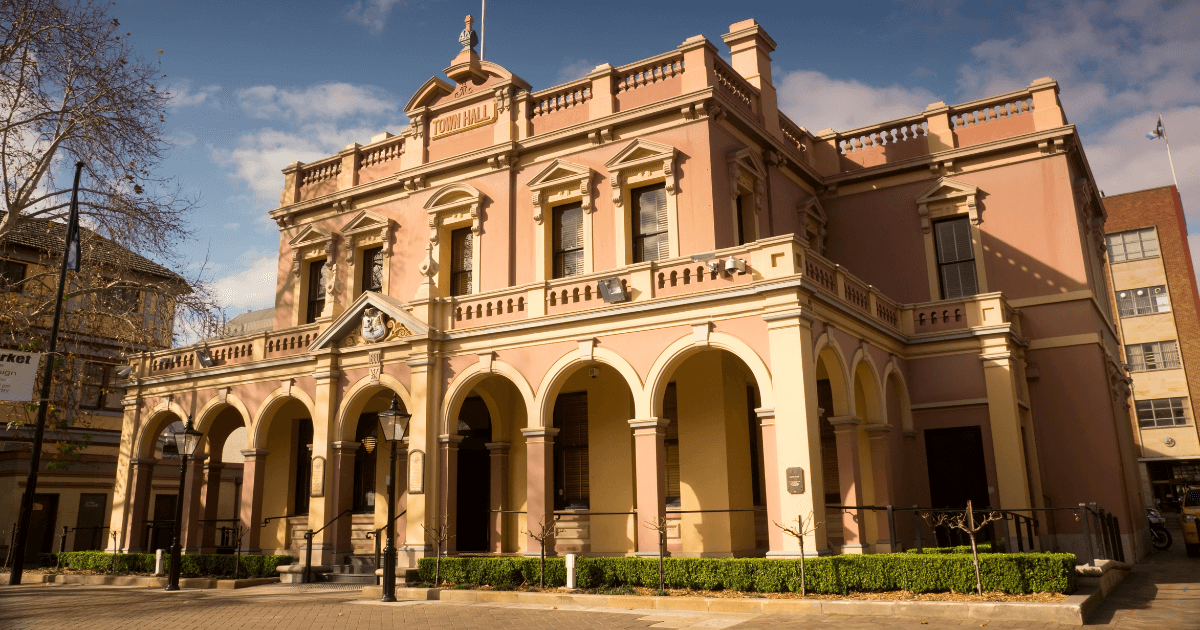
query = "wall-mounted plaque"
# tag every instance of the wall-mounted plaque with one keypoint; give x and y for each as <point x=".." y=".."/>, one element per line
<point x="795" y="480"/>
<point x="317" y="488"/>
<point x="416" y="472"/>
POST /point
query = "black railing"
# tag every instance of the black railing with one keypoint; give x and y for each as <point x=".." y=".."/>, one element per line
<point x="308" y="538"/>
<point x="375" y="534"/>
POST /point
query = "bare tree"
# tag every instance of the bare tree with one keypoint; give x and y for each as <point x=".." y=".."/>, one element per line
<point x="964" y="521"/>
<point x="804" y="527"/>
<point x="440" y="535"/>
<point x="659" y="526"/>
<point x="545" y="532"/>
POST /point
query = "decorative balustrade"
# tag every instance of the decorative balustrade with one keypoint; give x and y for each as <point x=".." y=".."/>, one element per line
<point x="939" y="317"/>
<point x="967" y="115"/>
<point x="386" y="152"/>
<point x="560" y="97"/>
<point x="484" y="310"/>
<point x="820" y="271"/>
<point x="172" y="361"/>
<point x="890" y="133"/>
<point x="649" y="72"/>
<point x="689" y="276"/>
<point x="855" y="294"/>
<point x="795" y="135"/>
<point x="239" y="352"/>
<point x="316" y="173"/>
<point x="567" y="295"/>
<point x="852" y="292"/>
<point x="732" y="83"/>
<point x="290" y="341"/>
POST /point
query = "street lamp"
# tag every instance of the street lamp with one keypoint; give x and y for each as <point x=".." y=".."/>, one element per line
<point x="393" y="424"/>
<point x="186" y="442"/>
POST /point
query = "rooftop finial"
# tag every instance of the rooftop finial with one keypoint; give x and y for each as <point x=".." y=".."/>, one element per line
<point x="468" y="38"/>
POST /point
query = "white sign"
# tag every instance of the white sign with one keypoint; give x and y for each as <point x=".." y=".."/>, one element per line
<point x="17" y="371"/>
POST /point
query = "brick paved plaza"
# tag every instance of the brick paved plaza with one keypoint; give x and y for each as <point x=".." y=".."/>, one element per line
<point x="1162" y="592"/>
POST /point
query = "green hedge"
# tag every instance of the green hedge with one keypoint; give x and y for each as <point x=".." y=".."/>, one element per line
<point x="192" y="565"/>
<point x="997" y="547"/>
<point x="919" y="573"/>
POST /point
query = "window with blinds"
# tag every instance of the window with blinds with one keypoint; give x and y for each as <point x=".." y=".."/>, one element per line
<point x="316" y="290"/>
<point x="1143" y="301"/>
<point x="372" y="270"/>
<point x="1161" y="412"/>
<point x="1159" y="355"/>
<point x="956" y="258"/>
<point x="1132" y="245"/>
<point x="571" y="488"/>
<point x="461" y="244"/>
<point x="568" y="240"/>
<point x="649" y="208"/>
<point x="670" y="413"/>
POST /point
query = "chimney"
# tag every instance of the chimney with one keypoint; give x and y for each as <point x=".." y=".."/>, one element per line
<point x="750" y="49"/>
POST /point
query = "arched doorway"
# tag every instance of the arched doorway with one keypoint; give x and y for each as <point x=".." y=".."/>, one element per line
<point x="474" y="474"/>
<point x="832" y="403"/>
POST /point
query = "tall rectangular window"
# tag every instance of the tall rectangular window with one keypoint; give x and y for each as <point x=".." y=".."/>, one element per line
<point x="461" y="245"/>
<point x="744" y="215"/>
<point x="571" y="486"/>
<point x="1159" y="355"/>
<point x="11" y="272"/>
<point x="316" y="291"/>
<point x="1132" y="245"/>
<point x="649" y="209"/>
<point x="1143" y="301"/>
<point x="1161" y="412"/>
<point x="372" y="270"/>
<point x="956" y="258"/>
<point x="670" y="413"/>
<point x="568" y="240"/>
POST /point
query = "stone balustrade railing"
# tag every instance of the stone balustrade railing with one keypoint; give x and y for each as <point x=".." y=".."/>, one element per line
<point x="648" y="72"/>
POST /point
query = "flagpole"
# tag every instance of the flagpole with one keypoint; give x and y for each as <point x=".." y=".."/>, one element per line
<point x="482" y="29"/>
<point x="39" y="432"/>
<point x="1170" y="159"/>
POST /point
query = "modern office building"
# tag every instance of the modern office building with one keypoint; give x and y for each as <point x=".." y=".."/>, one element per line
<point x="648" y="294"/>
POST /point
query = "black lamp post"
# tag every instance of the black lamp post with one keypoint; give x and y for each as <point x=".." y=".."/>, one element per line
<point x="186" y="442"/>
<point x="394" y="424"/>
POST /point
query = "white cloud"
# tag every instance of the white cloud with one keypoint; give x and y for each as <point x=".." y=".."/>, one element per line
<point x="251" y="288"/>
<point x="372" y="14"/>
<point x="573" y="69"/>
<point x="324" y="102"/>
<point x="232" y="226"/>
<point x="816" y="101"/>
<point x="184" y="96"/>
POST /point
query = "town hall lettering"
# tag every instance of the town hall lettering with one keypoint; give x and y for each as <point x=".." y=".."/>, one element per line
<point x="463" y="120"/>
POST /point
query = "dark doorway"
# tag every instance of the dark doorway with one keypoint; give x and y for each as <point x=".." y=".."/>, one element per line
<point x="474" y="475"/>
<point x="42" y="520"/>
<point x="956" y="471"/>
<point x="364" y="463"/>
<point x="89" y="527"/>
<point x="164" y="522"/>
<point x="304" y="438"/>
<point x="829" y="460"/>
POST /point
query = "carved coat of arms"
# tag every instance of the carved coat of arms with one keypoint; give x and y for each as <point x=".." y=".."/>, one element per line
<point x="374" y="325"/>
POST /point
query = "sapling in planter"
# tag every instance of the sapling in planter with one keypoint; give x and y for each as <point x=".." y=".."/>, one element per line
<point x="659" y="526"/>
<point x="544" y="533"/>
<point x="803" y="528"/>
<point x="965" y="522"/>
<point x="439" y="534"/>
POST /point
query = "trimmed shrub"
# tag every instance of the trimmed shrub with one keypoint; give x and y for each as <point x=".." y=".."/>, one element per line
<point x="916" y="572"/>
<point x="996" y="547"/>
<point x="191" y="565"/>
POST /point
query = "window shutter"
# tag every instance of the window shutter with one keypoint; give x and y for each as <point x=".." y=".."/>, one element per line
<point x="650" y="223"/>
<point x="956" y="257"/>
<point x="671" y="415"/>
<point x="570" y="415"/>
<point x="568" y="240"/>
<point x="462" y="243"/>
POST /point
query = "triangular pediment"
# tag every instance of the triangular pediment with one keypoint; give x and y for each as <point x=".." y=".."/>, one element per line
<point x="946" y="188"/>
<point x="640" y="152"/>
<point x="310" y="235"/>
<point x="365" y="221"/>
<point x="748" y="161"/>
<point x="346" y="330"/>
<point x="813" y="207"/>
<point x="558" y="172"/>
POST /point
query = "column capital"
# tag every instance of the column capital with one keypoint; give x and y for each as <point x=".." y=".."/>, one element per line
<point x="844" y="423"/>
<point x="877" y="430"/>
<point x="766" y="415"/>
<point x="214" y="466"/>
<point x="790" y="317"/>
<point x="143" y="461"/>
<point x="446" y="438"/>
<point x="539" y="432"/>
<point x="255" y="454"/>
<point x="499" y="447"/>
<point x="345" y="446"/>
<point x="648" y="423"/>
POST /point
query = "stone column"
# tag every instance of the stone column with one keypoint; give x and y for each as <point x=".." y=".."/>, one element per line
<point x="650" y="457"/>
<point x="854" y="523"/>
<point x="539" y="485"/>
<point x="123" y="484"/>
<point x="321" y="507"/>
<point x="254" y="476"/>
<point x="796" y="434"/>
<point x="880" y="437"/>
<point x="1012" y="488"/>
<point x="421" y="497"/>
<point x="141" y="474"/>
<point x="210" y="501"/>
<point x="448" y="478"/>
<point x="771" y="489"/>
<point x="193" y="511"/>
<point x="498" y="451"/>
<point x="342" y="490"/>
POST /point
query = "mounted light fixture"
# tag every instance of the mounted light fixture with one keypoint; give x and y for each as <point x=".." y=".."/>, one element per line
<point x="369" y="443"/>
<point x="611" y="290"/>
<point x="204" y="357"/>
<point x="124" y="371"/>
<point x="593" y="372"/>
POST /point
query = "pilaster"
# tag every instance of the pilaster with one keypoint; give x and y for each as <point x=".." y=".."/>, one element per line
<point x="193" y="510"/>
<point x="1004" y="418"/>
<point x="325" y="405"/>
<point x="880" y="438"/>
<point x="424" y="488"/>
<point x="210" y="502"/>
<point x="254" y="476"/>
<point x="854" y="522"/>
<point x="650" y="456"/>
<point x="539" y="486"/>
<point x="499" y="500"/>
<point x="448" y="476"/>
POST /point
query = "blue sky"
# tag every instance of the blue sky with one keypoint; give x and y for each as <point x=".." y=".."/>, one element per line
<point x="258" y="85"/>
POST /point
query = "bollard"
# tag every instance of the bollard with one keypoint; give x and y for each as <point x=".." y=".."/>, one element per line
<point x="891" y="517"/>
<point x="308" y="536"/>
<point x="571" y="570"/>
<point x="158" y="562"/>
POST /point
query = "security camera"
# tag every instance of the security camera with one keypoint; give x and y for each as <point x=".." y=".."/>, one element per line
<point x="735" y="265"/>
<point x="124" y="371"/>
